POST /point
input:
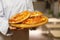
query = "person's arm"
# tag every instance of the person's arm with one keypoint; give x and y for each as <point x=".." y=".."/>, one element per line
<point x="4" y="24"/>
<point x="3" y="21"/>
<point x="30" y="5"/>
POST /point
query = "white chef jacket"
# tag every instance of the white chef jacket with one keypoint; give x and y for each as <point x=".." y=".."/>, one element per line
<point x="10" y="7"/>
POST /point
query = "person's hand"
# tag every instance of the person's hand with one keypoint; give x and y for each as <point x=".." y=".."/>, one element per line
<point x="12" y="28"/>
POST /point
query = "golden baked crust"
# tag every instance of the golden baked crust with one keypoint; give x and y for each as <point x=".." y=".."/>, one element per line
<point x="34" y="20"/>
<point x="19" y="17"/>
<point x="36" y="13"/>
<point x="35" y="17"/>
<point x="28" y="19"/>
<point x="30" y="25"/>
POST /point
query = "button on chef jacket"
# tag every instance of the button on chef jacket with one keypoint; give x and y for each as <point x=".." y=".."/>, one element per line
<point x="10" y="7"/>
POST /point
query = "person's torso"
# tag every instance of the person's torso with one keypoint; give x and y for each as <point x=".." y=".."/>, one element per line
<point x="11" y="7"/>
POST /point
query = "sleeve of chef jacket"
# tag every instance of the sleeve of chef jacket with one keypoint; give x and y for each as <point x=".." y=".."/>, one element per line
<point x="3" y="20"/>
<point x="30" y="5"/>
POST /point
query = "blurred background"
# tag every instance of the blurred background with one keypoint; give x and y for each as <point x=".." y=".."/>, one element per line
<point x="51" y="30"/>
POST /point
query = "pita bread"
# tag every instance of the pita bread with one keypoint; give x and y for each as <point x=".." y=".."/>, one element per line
<point x="34" y="20"/>
<point x="19" y="17"/>
<point x="30" y="25"/>
<point x="36" y="13"/>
